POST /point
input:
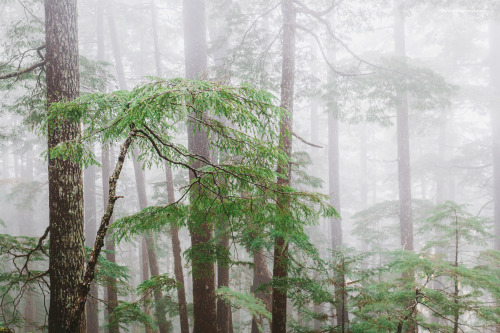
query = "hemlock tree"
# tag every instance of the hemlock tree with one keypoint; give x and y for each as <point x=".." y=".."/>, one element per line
<point x="203" y="273"/>
<point x="65" y="176"/>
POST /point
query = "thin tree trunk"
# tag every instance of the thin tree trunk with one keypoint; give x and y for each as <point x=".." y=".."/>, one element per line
<point x="89" y="193"/>
<point x="495" y="123"/>
<point x="404" y="173"/>
<point x="403" y="140"/>
<point x="83" y="289"/>
<point x="145" y="276"/>
<point x="280" y="268"/>
<point x="111" y="295"/>
<point x="336" y="223"/>
<point x="195" y="52"/>
<point x="176" y="249"/>
<point x="154" y="24"/>
<point x="27" y="226"/>
<point x="261" y="275"/>
<point x="149" y="241"/>
<point x="66" y="214"/>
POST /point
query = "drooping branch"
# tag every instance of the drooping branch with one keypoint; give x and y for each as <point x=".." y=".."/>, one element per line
<point x="306" y="142"/>
<point x="23" y="71"/>
<point x="89" y="274"/>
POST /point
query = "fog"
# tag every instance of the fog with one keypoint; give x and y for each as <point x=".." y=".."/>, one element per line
<point x="288" y="166"/>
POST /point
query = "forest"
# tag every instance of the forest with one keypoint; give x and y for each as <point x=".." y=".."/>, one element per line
<point x="228" y="166"/>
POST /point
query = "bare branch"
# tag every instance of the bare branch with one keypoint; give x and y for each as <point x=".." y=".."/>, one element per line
<point x="336" y="71"/>
<point x="306" y="142"/>
<point x="23" y="71"/>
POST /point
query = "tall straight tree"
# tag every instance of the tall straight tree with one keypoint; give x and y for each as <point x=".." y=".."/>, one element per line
<point x="495" y="123"/>
<point x="334" y="194"/>
<point x="195" y="52"/>
<point x="176" y="244"/>
<point x="89" y="192"/>
<point x="140" y="180"/>
<point x="176" y="249"/>
<point x="111" y="295"/>
<point x="218" y="30"/>
<point x="403" y="137"/>
<point x="66" y="214"/>
<point x="403" y="142"/>
<point x="280" y="268"/>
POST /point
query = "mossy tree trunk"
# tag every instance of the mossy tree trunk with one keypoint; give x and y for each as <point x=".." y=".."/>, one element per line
<point x="66" y="214"/>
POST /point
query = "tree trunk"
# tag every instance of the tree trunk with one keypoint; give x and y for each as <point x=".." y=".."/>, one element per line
<point x="195" y="51"/>
<point x="336" y="223"/>
<point x="154" y="25"/>
<point x="495" y="124"/>
<point x="403" y="139"/>
<point x="404" y="173"/>
<point x="280" y="268"/>
<point x="66" y="215"/>
<point x="89" y="193"/>
<point x="28" y="230"/>
<point x="261" y="275"/>
<point x="149" y="241"/>
<point x="111" y="295"/>
<point x="176" y="249"/>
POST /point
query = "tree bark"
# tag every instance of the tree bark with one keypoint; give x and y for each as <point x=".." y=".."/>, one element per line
<point x="66" y="214"/>
<point x="280" y="268"/>
<point x="176" y="249"/>
<point x="195" y="52"/>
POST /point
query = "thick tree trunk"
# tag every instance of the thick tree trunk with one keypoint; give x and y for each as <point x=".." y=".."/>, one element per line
<point x="195" y="51"/>
<point x="280" y="268"/>
<point x="67" y="257"/>
<point x="176" y="249"/>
